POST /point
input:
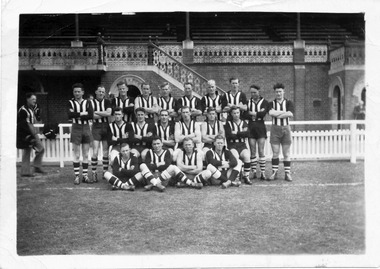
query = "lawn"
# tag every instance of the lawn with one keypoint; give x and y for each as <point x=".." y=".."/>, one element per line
<point x="320" y="212"/>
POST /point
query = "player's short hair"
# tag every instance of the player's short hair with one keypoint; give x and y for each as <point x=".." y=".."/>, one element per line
<point x="187" y="139"/>
<point x="254" y="87"/>
<point x="140" y="109"/>
<point x="77" y="85"/>
<point x="164" y="84"/>
<point x="164" y="110"/>
<point x="210" y="109"/>
<point x="185" y="107"/>
<point x="145" y="83"/>
<point x="234" y="108"/>
<point x="211" y="81"/>
<point x="121" y="82"/>
<point x="100" y="86"/>
<point x="125" y="144"/>
<point x="233" y="78"/>
<point x="117" y="109"/>
<point x="156" y="137"/>
<point x="278" y="86"/>
<point x="219" y="136"/>
<point x="188" y="83"/>
<point x="29" y="94"/>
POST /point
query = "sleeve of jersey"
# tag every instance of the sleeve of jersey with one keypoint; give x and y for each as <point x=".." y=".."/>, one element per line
<point x="203" y="104"/>
<point x="22" y="124"/>
<point x="151" y="129"/>
<point x="107" y="103"/>
<point x="115" y="165"/>
<point x="270" y="106"/>
<point x="198" y="104"/>
<point x="262" y="114"/>
<point x="72" y="114"/>
<point x="243" y="98"/>
<point x="178" y="105"/>
<point x="90" y="112"/>
<point x="131" y="135"/>
<point x="289" y="106"/>
<point x="129" y="109"/>
<point x="210" y="160"/>
<point x="231" y="158"/>
<point x="224" y="100"/>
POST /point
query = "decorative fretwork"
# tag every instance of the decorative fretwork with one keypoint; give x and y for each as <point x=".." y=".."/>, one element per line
<point x="316" y="53"/>
<point x="180" y="72"/>
<point x="243" y="53"/>
<point x="174" y="51"/>
<point x="127" y="55"/>
<point x="58" y="56"/>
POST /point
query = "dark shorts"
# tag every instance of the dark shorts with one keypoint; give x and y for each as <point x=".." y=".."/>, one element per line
<point x="99" y="131"/>
<point x="80" y="134"/>
<point x="238" y="146"/>
<point x="257" y="130"/>
<point x="281" y="135"/>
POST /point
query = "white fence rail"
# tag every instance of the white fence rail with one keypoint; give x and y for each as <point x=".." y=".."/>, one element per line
<point x="344" y="143"/>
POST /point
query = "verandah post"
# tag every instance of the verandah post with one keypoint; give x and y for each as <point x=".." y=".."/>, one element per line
<point x="353" y="141"/>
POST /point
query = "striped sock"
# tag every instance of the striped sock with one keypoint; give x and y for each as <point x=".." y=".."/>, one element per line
<point x="115" y="181"/>
<point x="76" y="168"/>
<point x="287" y="166"/>
<point x="247" y="169"/>
<point x="262" y="163"/>
<point x="85" y="169"/>
<point x="94" y="164"/>
<point x="199" y="179"/>
<point x="253" y="164"/>
<point x="105" y="163"/>
<point x="275" y="163"/>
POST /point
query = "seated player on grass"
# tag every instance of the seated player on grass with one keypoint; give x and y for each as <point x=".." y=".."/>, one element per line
<point x="190" y="161"/>
<point x="125" y="171"/>
<point x="157" y="168"/>
<point x="222" y="164"/>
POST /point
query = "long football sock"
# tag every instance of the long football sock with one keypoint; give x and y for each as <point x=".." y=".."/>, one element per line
<point x="85" y="168"/>
<point x="76" y="168"/>
<point x="94" y="164"/>
<point x="253" y="164"/>
<point x="275" y="163"/>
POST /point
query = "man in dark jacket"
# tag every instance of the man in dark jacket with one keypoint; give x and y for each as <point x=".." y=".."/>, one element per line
<point x="27" y="136"/>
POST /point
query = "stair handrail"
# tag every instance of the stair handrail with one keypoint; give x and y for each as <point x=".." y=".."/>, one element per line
<point x="183" y="65"/>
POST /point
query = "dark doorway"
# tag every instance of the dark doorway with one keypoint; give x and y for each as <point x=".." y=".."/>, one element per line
<point x="133" y="91"/>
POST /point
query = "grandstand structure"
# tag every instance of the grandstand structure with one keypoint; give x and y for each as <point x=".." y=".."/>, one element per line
<point x="320" y="58"/>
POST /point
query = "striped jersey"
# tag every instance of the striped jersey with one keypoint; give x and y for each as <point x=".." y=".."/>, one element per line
<point x="118" y="130"/>
<point x="219" y="158"/>
<point x="257" y="107"/>
<point x="213" y="129"/>
<point x="146" y="103"/>
<point x="187" y="129"/>
<point x="165" y="132"/>
<point x="143" y="131"/>
<point x="118" y="102"/>
<point x="124" y="165"/>
<point x="79" y="107"/>
<point x="156" y="158"/>
<point x="100" y="106"/>
<point x="166" y="104"/>
<point x="29" y="113"/>
<point x="193" y="103"/>
<point x="190" y="160"/>
<point x="239" y="128"/>
<point x="235" y="99"/>
<point x="207" y="101"/>
<point x="285" y="105"/>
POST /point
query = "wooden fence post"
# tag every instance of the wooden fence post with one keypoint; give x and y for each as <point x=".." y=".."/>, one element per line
<point x="61" y="163"/>
<point x="353" y="142"/>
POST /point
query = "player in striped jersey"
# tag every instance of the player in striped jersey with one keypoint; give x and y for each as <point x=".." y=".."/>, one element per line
<point x="27" y="137"/>
<point x="281" y="110"/>
<point x="143" y="133"/>
<point x="257" y="109"/>
<point x="190" y="162"/>
<point x="125" y="102"/>
<point x="222" y="164"/>
<point x="212" y="99"/>
<point x="80" y="111"/>
<point x="193" y="102"/>
<point x="210" y="129"/>
<point x="186" y="128"/>
<point x="167" y="102"/>
<point x="147" y="101"/>
<point x="234" y="98"/>
<point x="165" y="130"/>
<point x="236" y="135"/>
<point x="125" y="174"/>
<point x="119" y="132"/>
<point x="102" y="110"/>
<point x="158" y="170"/>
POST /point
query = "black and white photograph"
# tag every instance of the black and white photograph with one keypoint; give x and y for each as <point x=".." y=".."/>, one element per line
<point x="223" y="134"/>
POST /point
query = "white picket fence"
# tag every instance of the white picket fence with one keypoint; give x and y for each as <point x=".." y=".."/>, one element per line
<point x="340" y="144"/>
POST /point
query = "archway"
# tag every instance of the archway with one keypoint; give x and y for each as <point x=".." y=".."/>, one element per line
<point x="337" y="104"/>
<point x="133" y="83"/>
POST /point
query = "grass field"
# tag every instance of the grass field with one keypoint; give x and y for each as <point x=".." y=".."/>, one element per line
<point x="320" y="212"/>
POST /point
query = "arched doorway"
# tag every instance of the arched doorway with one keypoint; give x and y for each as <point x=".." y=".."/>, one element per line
<point x="133" y="91"/>
<point x="133" y="83"/>
<point x="336" y="104"/>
